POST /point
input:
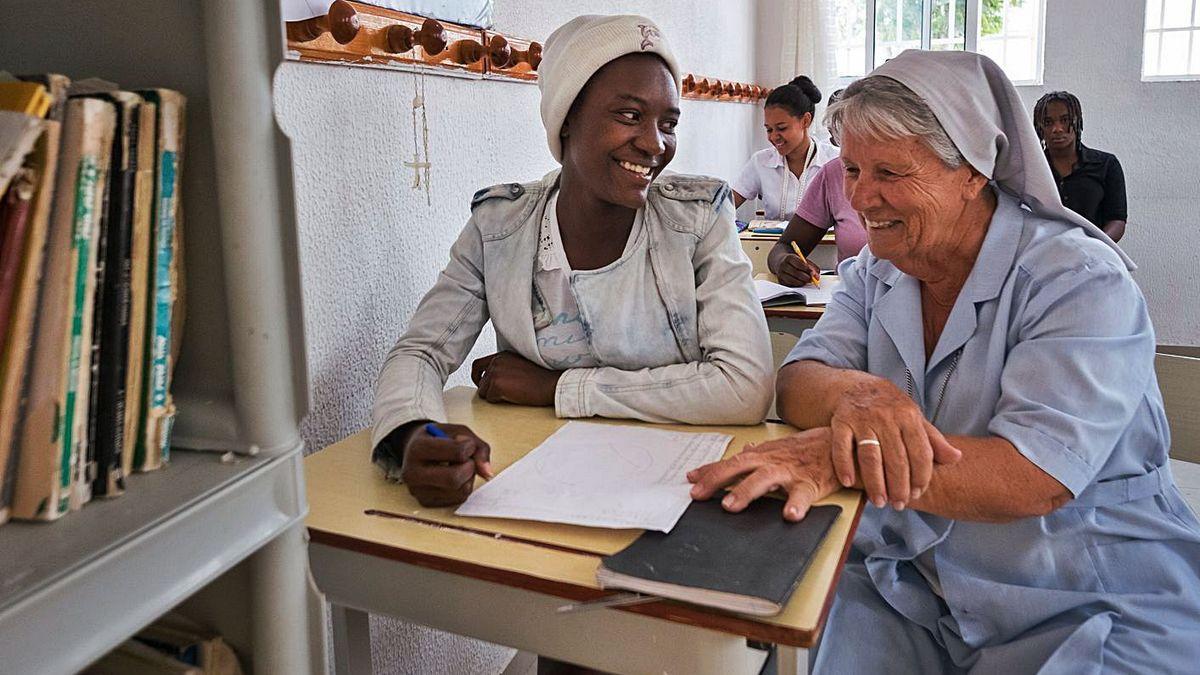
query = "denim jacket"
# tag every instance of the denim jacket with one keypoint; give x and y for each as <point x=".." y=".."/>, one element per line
<point x="674" y="321"/>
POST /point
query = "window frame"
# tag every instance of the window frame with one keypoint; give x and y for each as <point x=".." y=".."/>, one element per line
<point x="970" y="33"/>
<point x="1193" y="42"/>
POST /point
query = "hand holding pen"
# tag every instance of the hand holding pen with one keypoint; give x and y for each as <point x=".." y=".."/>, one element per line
<point x="441" y="462"/>
<point x="814" y="271"/>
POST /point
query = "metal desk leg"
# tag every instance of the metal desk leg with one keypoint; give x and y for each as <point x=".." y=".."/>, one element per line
<point x="351" y="641"/>
<point x="791" y="660"/>
<point x="279" y="604"/>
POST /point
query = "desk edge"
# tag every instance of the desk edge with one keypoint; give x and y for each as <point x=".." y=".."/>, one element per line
<point x="693" y="615"/>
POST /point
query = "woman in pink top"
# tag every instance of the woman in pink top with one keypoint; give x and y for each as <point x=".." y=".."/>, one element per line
<point x="824" y="206"/>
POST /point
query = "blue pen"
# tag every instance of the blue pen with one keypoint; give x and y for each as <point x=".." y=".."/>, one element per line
<point x="438" y="433"/>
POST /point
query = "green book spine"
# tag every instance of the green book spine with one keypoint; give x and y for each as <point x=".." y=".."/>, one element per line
<point x="162" y="299"/>
<point x="85" y="204"/>
<point x="163" y="292"/>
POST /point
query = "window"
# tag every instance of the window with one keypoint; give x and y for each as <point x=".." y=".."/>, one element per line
<point x="1172" y="43"/>
<point x="869" y="32"/>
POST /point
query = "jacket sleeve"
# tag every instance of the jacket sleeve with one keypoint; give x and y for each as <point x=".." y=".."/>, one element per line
<point x="732" y="383"/>
<point x="440" y="335"/>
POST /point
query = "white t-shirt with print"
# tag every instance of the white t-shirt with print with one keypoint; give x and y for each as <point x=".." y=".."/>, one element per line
<point x="560" y="330"/>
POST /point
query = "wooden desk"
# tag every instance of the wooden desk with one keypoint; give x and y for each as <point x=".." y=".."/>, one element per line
<point x="827" y="239"/>
<point x="374" y="548"/>
<point x="794" y="319"/>
<point x="758" y="246"/>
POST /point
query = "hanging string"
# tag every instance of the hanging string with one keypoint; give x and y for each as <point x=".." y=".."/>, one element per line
<point x="421" y="163"/>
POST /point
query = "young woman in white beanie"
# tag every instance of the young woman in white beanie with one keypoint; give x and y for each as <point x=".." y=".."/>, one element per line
<point x="614" y="290"/>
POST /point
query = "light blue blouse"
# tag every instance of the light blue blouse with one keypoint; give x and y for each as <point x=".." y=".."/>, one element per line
<point x="1055" y="353"/>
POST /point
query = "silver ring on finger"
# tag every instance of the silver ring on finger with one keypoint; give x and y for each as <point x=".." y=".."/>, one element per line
<point x="869" y="441"/>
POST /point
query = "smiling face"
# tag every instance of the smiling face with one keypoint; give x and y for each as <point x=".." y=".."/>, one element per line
<point x="620" y="133"/>
<point x="1057" y="126"/>
<point x="909" y="200"/>
<point x="785" y="131"/>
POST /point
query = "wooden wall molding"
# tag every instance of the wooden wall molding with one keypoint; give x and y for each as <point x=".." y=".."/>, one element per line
<point x="353" y="33"/>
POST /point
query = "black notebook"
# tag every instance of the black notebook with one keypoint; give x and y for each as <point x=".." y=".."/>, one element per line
<point x="748" y="562"/>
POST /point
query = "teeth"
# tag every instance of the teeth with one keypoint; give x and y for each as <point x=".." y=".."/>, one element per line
<point x="636" y="168"/>
<point x="880" y="224"/>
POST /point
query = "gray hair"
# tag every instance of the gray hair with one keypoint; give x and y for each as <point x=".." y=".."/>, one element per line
<point x="882" y="108"/>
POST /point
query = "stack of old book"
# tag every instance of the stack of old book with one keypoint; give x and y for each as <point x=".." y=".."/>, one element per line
<point x="173" y="645"/>
<point x="89" y="266"/>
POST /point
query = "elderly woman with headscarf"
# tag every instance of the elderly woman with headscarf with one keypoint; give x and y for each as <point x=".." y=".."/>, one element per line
<point x="987" y="375"/>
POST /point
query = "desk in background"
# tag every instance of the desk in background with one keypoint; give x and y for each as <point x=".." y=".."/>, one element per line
<point x="757" y="246"/>
<point x="375" y="549"/>
<point x="790" y="319"/>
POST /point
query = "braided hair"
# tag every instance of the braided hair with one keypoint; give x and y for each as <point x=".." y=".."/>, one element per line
<point x="796" y="97"/>
<point x="1073" y="109"/>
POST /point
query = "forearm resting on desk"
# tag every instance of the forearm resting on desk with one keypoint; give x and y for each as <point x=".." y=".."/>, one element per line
<point x="807" y="392"/>
<point x="992" y="483"/>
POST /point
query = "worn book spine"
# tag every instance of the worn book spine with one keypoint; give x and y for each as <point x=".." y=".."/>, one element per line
<point x="94" y="332"/>
<point x="48" y="441"/>
<point x="16" y="211"/>
<point x="16" y="363"/>
<point x="139" y="253"/>
<point x="158" y="409"/>
<point x="15" y="206"/>
<point x="111" y="342"/>
<point x="91" y="202"/>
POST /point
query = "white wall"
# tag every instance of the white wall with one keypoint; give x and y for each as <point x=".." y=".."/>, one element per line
<point x="371" y="245"/>
<point x="1093" y="50"/>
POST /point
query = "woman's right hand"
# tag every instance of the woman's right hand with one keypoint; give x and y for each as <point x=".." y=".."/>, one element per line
<point x="795" y="272"/>
<point x="895" y="447"/>
<point x="441" y="471"/>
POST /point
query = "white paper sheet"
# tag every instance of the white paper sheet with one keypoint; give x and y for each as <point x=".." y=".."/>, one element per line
<point x="600" y="475"/>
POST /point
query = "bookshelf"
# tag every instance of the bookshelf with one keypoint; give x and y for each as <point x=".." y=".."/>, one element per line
<point x="224" y="542"/>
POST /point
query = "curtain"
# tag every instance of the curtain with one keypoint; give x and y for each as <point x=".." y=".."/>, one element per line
<point x="808" y="47"/>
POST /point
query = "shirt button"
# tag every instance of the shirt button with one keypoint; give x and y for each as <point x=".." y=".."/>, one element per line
<point x="668" y="187"/>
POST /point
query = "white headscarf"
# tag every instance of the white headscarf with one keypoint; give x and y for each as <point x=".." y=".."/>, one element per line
<point x="980" y="110"/>
<point x="580" y="47"/>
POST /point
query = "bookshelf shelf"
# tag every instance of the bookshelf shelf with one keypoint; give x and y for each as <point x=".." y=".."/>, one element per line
<point x="222" y="542"/>
<point x="72" y="590"/>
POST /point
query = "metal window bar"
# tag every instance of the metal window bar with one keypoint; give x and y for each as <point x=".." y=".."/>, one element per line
<point x="1187" y="65"/>
<point x="926" y="24"/>
<point x="971" y="27"/>
<point x="1162" y="10"/>
<point x="869" y="64"/>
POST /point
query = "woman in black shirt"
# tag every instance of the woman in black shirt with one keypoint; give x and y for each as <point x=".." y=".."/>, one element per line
<point x="1090" y="182"/>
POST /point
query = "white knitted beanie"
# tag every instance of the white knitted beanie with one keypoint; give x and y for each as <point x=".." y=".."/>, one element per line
<point x="579" y="48"/>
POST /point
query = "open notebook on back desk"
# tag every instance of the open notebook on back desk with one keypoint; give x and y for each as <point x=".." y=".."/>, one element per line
<point x="771" y="294"/>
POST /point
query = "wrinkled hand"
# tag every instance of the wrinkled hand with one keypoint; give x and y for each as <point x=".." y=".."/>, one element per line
<point x="895" y="446"/>
<point x="799" y="465"/>
<point x="508" y="377"/>
<point x="795" y="272"/>
<point x="441" y="471"/>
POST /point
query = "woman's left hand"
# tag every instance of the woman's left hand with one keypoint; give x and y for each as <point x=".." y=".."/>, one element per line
<point x="508" y="377"/>
<point x="800" y="465"/>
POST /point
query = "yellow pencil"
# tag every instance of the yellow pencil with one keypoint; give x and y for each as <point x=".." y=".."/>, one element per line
<point x="817" y="277"/>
